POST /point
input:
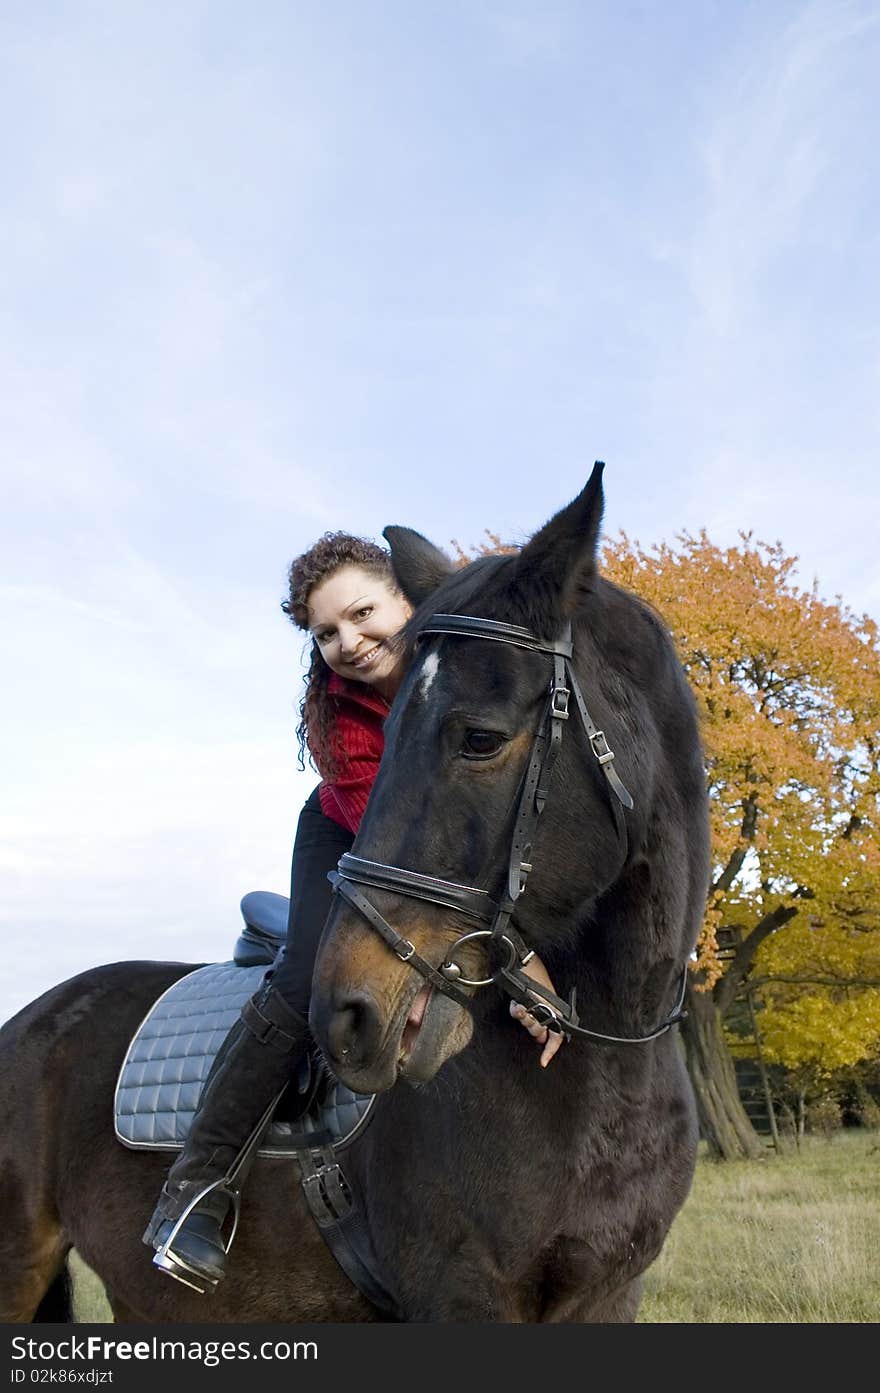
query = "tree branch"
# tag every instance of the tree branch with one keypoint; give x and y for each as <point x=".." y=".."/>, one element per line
<point x="747" y="834"/>
<point x="853" y="825"/>
<point x="727" y="986"/>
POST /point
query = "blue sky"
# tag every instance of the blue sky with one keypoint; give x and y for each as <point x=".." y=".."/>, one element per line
<point x="274" y="269"/>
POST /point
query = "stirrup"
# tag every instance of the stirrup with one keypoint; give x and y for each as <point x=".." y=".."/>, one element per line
<point x="173" y="1265"/>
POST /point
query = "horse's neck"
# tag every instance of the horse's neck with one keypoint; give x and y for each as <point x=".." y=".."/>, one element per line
<point x="625" y="977"/>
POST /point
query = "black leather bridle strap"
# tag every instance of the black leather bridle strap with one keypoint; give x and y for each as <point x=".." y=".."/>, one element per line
<point x="471" y="626"/>
<point x="548" y="741"/>
<point x="396" y="942"/>
<point x="545" y="750"/>
<point x="476" y="904"/>
<point x="536" y="784"/>
<point x="599" y="745"/>
<point x="562" y="1017"/>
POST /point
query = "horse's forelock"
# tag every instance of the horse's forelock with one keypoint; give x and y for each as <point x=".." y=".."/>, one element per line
<point x="463" y="593"/>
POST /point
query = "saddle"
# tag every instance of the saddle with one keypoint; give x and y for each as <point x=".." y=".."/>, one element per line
<point x="170" y="1057"/>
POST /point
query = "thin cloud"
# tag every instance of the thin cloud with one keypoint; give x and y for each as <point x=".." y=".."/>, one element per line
<point x="769" y="145"/>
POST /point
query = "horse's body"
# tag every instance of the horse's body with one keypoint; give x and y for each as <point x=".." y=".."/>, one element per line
<point x="493" y="1190"/>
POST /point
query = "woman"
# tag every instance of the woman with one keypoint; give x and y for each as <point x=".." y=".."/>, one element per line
<point x="343" y="592"/>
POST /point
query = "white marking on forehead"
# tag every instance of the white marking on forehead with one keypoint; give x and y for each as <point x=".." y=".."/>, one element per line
<point x="429" y="672"/>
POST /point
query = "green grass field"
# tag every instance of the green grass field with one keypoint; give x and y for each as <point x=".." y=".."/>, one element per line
<point x="794" y="1238"/>
<point x="787" y="1239"/>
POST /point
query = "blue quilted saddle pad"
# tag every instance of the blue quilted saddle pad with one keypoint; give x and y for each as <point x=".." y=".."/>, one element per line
<point x="170" y="1057"/>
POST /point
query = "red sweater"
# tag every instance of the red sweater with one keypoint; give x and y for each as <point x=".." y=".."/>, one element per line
<point x="360" y="716"/>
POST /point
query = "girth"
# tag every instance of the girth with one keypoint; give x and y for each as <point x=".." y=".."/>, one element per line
<point x="504" y="941"/>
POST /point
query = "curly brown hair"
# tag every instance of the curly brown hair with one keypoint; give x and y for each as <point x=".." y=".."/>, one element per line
<point x="329" y="554"/>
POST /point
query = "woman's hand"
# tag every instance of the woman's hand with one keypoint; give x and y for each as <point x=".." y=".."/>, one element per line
<point x="550" y="1039"/>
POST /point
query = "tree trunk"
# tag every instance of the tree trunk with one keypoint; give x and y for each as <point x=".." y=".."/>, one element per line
<point x="723" y="1121"/>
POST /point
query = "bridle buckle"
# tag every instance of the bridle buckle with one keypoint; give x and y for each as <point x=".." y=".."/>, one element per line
<point x="559" y="703"/>
<point x="601" y="749"/>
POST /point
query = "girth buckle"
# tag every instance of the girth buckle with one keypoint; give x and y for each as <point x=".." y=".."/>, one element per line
<point x="325" y="1186"/>
<point x="601" y="748"/>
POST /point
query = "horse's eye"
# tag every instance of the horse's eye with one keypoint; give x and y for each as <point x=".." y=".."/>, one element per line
<point x="481" y="744"/>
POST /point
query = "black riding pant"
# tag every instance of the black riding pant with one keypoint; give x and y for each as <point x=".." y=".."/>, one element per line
<point x="318" y="846"/>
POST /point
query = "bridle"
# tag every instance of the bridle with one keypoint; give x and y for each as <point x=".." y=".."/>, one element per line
<point x="495" y="916"/>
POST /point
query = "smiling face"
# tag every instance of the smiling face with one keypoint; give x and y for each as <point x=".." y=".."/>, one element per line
<point x="351" y="614"/>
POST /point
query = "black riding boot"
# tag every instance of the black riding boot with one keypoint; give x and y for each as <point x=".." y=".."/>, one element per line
<point x="251" y="1070"/>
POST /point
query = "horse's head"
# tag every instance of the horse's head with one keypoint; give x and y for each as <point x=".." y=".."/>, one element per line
<point x="459" y="746"/>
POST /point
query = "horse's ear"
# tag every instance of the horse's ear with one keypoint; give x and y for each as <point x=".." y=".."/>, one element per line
<point x="561" y="558"/>
<point x="418" y="565"/>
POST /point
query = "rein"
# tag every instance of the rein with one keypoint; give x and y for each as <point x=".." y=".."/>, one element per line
<point x="495" y="916"/>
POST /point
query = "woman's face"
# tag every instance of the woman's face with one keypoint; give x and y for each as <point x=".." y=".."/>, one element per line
<point x="351" y="614"/>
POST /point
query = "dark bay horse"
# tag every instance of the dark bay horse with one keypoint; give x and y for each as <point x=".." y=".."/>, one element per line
<point x="492" y="1190"/>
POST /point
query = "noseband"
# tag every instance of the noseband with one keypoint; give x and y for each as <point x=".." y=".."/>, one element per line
<point x="495" y="916"/>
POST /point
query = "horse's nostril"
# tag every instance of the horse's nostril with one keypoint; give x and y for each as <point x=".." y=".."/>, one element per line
<point x="353" y="1029"/>
<point x="342" y="1032"/>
